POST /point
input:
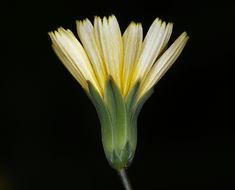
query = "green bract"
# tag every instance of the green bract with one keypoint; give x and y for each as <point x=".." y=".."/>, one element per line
<point x="118" y="118"/>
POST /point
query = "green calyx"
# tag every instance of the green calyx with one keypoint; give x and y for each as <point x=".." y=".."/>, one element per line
<point x="118" y="118"/>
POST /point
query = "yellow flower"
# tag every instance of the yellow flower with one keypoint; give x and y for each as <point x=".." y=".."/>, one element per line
<point x="118" y="73"/>
<point x="126" y="58"/>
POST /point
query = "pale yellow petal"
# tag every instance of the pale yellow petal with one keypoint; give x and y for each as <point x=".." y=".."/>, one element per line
<point x="97" y="32"/>
<point x="68" y="62"/>
<point x="166" y="37"/>
<point x="117" y="40"/>
<point x="109" y="39"/>
<point x="87" y="36"/>
<point x="132" y="41"/>
<point x="73" y="50"/>
<point x="163" y="63"/>
<point x="154" y="42"/>
<point x="162" y="45"/>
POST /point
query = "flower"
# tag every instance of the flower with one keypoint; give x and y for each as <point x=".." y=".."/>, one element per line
<point x="118" y="73"/>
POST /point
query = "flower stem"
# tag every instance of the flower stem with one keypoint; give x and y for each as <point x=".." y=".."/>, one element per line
<point x="125" y="179"/>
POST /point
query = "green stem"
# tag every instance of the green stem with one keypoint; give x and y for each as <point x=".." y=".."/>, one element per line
<point x="124" y="178"/>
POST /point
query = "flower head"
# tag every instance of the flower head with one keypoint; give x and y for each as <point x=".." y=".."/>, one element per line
<point x="127" y="58"/>
<point x="118" y="73"/>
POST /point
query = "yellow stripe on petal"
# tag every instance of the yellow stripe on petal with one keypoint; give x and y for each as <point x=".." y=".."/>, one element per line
<point x="163" y="63"/>
<point x="132" y="41"/>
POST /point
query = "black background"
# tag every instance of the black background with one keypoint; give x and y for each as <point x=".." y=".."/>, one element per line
<point x="50" y="133"/>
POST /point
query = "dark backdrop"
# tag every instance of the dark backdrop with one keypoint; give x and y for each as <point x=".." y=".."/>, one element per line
<point x="50" y="133"/>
